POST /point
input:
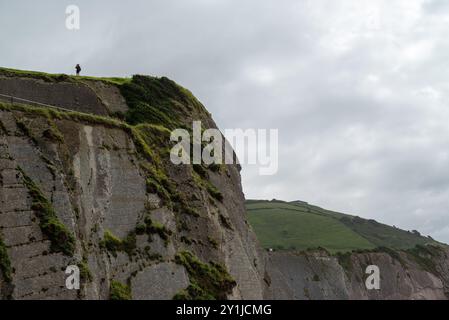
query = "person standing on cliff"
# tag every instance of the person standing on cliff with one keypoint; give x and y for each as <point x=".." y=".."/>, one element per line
<point x="78" y="69"/>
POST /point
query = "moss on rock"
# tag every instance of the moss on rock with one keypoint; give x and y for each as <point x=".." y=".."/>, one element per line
<point x="60" y="237"/>
<point x="113" y="244"/>
<point x="154" y="101"/>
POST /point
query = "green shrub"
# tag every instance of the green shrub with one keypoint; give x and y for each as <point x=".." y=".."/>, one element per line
<point x="114" y="244"/>
<point x="53" y="134"/>
<point x="344" y="259"/>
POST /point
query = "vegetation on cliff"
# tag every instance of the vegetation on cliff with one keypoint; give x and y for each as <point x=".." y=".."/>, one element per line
<point x="156" y="106"/>
<point x="50" y="77"/>
<point x="207" y="281"/>
<point x="114" y="244"/>
<point x="152" y="227"/>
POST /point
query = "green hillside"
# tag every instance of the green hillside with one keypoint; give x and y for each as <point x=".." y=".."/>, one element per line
<point x="299" y="226"/>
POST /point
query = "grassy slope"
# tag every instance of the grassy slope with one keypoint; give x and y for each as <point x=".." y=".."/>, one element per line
<point x="300" y="226"/>
<point x="383" y="235"/>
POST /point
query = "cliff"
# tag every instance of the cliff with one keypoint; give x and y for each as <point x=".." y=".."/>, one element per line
<point x="92" y="186"/>
<point x="420" y="274"/>
<point x="81" y="188"/>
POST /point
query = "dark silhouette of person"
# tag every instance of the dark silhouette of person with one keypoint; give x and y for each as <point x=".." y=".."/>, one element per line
<point x="78" y="69"/>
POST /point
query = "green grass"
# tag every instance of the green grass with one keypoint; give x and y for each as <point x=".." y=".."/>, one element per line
<point x="299" y="226"/>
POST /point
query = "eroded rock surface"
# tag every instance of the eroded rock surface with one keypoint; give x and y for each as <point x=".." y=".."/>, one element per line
<point x="88" y="191"/>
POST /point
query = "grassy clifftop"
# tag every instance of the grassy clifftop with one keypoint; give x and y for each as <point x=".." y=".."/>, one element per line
<point x="51" y="77"/>
<point x="299" y="226"/>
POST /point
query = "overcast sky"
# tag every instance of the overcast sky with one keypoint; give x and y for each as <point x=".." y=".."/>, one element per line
<point x="358" y="89"/>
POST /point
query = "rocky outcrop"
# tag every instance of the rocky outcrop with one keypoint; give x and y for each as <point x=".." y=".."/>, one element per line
<point x="318" y="275"/>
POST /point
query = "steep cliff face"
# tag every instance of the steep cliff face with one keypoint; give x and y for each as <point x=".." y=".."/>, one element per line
<point x="101" y="194"/>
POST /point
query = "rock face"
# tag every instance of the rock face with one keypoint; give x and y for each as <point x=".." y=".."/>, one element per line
<point x="100" y="194"/>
